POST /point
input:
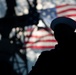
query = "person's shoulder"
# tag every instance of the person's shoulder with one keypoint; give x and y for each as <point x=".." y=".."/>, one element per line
<point x="47" y="53"/>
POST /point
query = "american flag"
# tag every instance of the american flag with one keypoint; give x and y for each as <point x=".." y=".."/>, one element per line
<point x="67" y="10"/>
<point x="40" y="38"/>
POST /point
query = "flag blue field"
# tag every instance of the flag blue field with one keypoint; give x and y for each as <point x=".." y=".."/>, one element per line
<point x="47" y="15"/>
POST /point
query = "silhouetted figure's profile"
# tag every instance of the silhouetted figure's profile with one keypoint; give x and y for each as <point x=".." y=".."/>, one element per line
<point x="10" y="8"/>
<point x="62" y="59"/>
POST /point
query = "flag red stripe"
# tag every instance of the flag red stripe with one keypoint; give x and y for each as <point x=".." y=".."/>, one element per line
<point x="41" y="47"/>
<point x="42" y="29"/>
<point x="64" y="11"/>
<point x="39" y="36"/>
<point x="71" y="15"/>
<point x="60" y="6"/>
<point x="41" y="41"/>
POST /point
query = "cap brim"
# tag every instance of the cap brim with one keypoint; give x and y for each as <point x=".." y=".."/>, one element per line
<point x="63" y="20"/>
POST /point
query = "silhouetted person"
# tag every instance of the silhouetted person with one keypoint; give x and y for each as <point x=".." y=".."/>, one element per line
<point x="10" y="8"/>
<point x="61" y="59"/>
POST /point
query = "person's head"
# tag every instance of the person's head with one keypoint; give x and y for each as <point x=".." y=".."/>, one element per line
<point x="63" y="28"/>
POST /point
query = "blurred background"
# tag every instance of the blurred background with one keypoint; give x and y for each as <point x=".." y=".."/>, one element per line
<point x="28" y="24"/>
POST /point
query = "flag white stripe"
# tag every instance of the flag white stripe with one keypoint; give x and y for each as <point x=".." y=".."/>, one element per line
<point x="40" y="33"/>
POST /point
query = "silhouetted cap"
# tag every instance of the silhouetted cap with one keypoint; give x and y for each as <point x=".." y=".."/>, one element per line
<point x="63" y="20"/>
